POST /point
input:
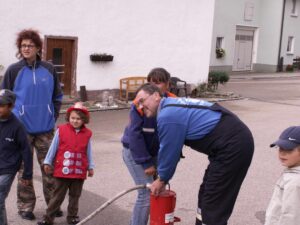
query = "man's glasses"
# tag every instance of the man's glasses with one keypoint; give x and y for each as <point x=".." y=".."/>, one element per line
<point x="141" y="101"/>
<point x="27" y="46"/>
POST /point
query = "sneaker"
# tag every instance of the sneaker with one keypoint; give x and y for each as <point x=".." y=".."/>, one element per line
<point x="59" y="213"/>
<point x="44" y="223"/>
<point x="27" y="215"/>
<point x="74" y="221"/>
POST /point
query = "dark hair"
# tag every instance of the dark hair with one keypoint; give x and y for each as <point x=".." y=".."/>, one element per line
<point x="8" y="104"/>
<point x="158" y="75"/>
<point x="150" y="89"/>
<point x="31" y="34"/>
<point x="82" y="115"/>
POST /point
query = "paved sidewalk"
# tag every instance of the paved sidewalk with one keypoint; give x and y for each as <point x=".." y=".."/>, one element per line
<point x="254" y="76"/>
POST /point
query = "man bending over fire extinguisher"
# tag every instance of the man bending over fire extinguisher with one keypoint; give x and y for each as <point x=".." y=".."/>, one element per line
<point x="207" y="128"/>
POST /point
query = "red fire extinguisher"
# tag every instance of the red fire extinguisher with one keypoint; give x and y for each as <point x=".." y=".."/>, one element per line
<point x="162" y="208"/>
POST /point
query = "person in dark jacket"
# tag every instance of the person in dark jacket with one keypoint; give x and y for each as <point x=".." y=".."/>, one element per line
<point x="14" y="148"/>
<point x="207" y="128"/>
<point x="38" y="101"/>
<point x="140" y="146"/>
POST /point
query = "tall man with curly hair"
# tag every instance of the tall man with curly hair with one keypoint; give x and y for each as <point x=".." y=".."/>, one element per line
<point x="38" y="101"/>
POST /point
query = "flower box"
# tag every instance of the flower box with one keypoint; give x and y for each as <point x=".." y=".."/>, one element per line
<point x="220" y="52"/>
<point x="101" y="58"/>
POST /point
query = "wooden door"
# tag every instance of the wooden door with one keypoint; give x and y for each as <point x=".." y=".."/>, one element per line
<point x="61" y="53"/>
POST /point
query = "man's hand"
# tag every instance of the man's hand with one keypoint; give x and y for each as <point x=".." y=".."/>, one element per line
<point x="157" y="186"/>
<point x="26" y="182"/>
<point x="48" y="169"/>
<point x="90" y="172"/>
<point x="150" y="171"/>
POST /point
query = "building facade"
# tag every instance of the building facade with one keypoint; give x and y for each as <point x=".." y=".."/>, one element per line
<point x="256" y="35"/>
<point x="140" y="35"/>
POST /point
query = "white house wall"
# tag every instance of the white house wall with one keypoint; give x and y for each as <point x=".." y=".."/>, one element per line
<point x="174" y="34"/>
<point x="269" y="34"/>
<point x="267" y="23"/>
<point x="229" y="14"/>
<point x="291" y="28"/>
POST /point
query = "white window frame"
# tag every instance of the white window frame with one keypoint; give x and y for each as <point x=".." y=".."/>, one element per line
<point x="249" y="11"/>
<point x="294" y="11"/>
<point x="220" y="42"/>
<point x="290" y="45"/>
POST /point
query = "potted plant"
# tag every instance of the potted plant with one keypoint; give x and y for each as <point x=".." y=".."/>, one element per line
<point x="289" y="68"/>
<point x="220" y="52"/>
<point x="101" y="57"/>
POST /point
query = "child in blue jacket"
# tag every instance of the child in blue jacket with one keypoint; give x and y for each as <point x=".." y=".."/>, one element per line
<point x="140" y="147"/>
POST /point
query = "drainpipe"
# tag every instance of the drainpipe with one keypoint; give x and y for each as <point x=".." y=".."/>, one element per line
<point x="279" y="62"/>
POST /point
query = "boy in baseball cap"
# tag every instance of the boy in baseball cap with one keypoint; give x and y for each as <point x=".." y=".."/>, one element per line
<point x="13" y="146"/>
<point x="7" y="97"/>
<point x="284" y="207"/>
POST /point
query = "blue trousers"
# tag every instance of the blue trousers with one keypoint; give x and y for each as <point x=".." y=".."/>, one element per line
<point x="141" y="209"/>
<point x="5" y="185"/>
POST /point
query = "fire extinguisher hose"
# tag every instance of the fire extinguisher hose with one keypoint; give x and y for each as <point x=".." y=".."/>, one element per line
<point x="107" y="203"/>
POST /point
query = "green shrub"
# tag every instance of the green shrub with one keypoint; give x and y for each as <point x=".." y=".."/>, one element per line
<point x="216" y="77"/>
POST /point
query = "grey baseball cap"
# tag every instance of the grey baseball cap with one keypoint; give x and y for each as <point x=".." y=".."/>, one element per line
<point x="7" y="97"/>
<point x="288" y="139"/>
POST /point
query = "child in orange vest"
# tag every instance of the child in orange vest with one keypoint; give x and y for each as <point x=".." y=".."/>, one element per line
<point x="69" y="159"/>
<point x="140" y="147"/>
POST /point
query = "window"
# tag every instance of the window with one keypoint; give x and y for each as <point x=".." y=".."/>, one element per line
<point x="290" y="45"/>
<point x="249" y="11"/>
<point x="220" y="42"/>
<point x="57" y="55"/>
<point x="294" y="8"/>
<point x="240" y="37"/>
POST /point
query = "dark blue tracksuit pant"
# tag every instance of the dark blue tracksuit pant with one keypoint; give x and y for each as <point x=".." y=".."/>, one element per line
<point x="230" y="149"/>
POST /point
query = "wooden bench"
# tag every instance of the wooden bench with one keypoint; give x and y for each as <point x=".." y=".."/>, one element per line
<point x="130" y="85"/>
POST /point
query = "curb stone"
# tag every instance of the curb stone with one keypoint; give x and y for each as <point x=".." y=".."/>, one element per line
<point x="211" y="97"/>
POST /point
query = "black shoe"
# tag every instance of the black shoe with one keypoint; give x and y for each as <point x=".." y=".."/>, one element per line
<point x="59" y="213"/>
<point x="44" y="223"/>
<point x="27" y="215"/>
<point x="74" y="221"/>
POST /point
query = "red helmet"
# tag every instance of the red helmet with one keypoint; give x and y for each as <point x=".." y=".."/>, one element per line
<point x="79" y="106"/>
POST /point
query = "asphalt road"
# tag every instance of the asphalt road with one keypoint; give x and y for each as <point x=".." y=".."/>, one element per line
<point x="269" y="106"/>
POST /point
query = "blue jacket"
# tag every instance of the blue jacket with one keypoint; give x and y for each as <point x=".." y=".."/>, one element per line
<point x="177" y="124"/>
<point x="38" y="94"/>
<point x="14" y="148"/>
<point x="140" y="136"/>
